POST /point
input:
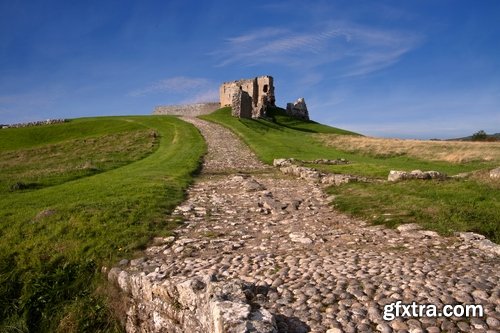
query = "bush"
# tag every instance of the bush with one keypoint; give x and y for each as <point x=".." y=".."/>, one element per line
<point x="480" y="136"/>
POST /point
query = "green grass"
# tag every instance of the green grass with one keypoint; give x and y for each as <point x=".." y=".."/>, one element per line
<point x="26" y="137"/>
<point x="379" y="167"/>
<point x="80" y="195"/>
<point x="287" y="137"/>
<point x="443" y="206"/>
<point x="283" y="137"/>
<point x="55" y="238"/>
<point x="57" y="163"/>
<point x="464" y="205"/>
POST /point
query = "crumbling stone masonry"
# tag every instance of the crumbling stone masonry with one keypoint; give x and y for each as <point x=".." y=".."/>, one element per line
<point x="242" y="105"/>
<point x="298" y="109"/>
<point x="259" y="89"/>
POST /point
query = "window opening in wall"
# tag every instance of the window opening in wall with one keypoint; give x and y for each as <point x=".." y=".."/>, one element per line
<point x="266" y="87"/>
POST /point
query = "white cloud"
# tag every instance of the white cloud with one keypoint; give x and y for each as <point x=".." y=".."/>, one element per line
<point x="209" y="95"/>
<point x="359" y="50"/>
<point x="259" y="34"/>
<point x="175" y="85"/>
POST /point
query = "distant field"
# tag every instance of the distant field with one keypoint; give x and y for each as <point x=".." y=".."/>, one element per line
<point x="471" y="204"/>
<point x="448" y="151"/>
<point x="78" y="196"/>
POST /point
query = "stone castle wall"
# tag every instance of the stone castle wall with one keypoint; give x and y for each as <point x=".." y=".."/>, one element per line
<point x="298" y="109"/>
<point x="242" y="105"/>
<point x="189" y="110"/>
<point x="229" y="89"/>
<point x="260" y="90"/>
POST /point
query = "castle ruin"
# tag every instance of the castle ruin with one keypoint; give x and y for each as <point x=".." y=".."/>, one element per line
<point x="249" y="98"/>
<point x="298" y="109"/>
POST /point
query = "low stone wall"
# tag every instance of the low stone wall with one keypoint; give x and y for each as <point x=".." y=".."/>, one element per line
<point x="395" y="175"/>
<point x="188" y="110"/>
<point x="197" y="304"/>
<point x="35" y="123"/>
<point x="288" y="166"/>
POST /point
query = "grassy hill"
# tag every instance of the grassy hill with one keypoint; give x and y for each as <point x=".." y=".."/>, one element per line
<point x="81" y="195"/>
<point x="77" y="196"/>
<point x="281" y="136"/>
<point x="470" y="204"/>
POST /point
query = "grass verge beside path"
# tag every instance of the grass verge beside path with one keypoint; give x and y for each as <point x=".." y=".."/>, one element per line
<point x="54" y="240"/>
<point x="442" y="206"/>
<point x="457" y="205"/>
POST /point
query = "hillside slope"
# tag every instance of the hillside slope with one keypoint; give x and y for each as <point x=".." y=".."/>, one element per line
<point x="283" y="137"/>
<point x="56" y="237"/>
<point x="280" y="136"/>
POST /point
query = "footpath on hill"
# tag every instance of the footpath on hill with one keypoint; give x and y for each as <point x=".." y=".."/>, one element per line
<point x="263" y="252"/>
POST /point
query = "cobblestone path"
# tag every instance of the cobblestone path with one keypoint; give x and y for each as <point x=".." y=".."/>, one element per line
<point x="313" y="268"/>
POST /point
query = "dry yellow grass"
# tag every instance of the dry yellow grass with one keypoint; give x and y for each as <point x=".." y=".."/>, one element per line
<point x="449" y="151"/>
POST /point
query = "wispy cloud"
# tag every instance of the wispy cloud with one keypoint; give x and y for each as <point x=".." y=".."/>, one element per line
<point x="174" y="85"/>
<point x="359" y="50"/>
<point x="255" y="35"/>
<point x="203" y="96"/>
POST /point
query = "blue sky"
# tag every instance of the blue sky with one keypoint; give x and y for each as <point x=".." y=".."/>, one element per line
<point x="410" y="69"/>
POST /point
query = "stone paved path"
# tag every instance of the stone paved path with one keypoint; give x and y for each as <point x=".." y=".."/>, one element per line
<point x="226" y="152"/>
<point x="315" y="269"/>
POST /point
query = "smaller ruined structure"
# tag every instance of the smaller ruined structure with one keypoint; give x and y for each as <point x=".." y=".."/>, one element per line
<point x="298" y="109"/>
<point x="255" y="94"/>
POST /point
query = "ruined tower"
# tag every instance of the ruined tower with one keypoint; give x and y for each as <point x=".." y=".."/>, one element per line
<point x="236" y="93"/>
